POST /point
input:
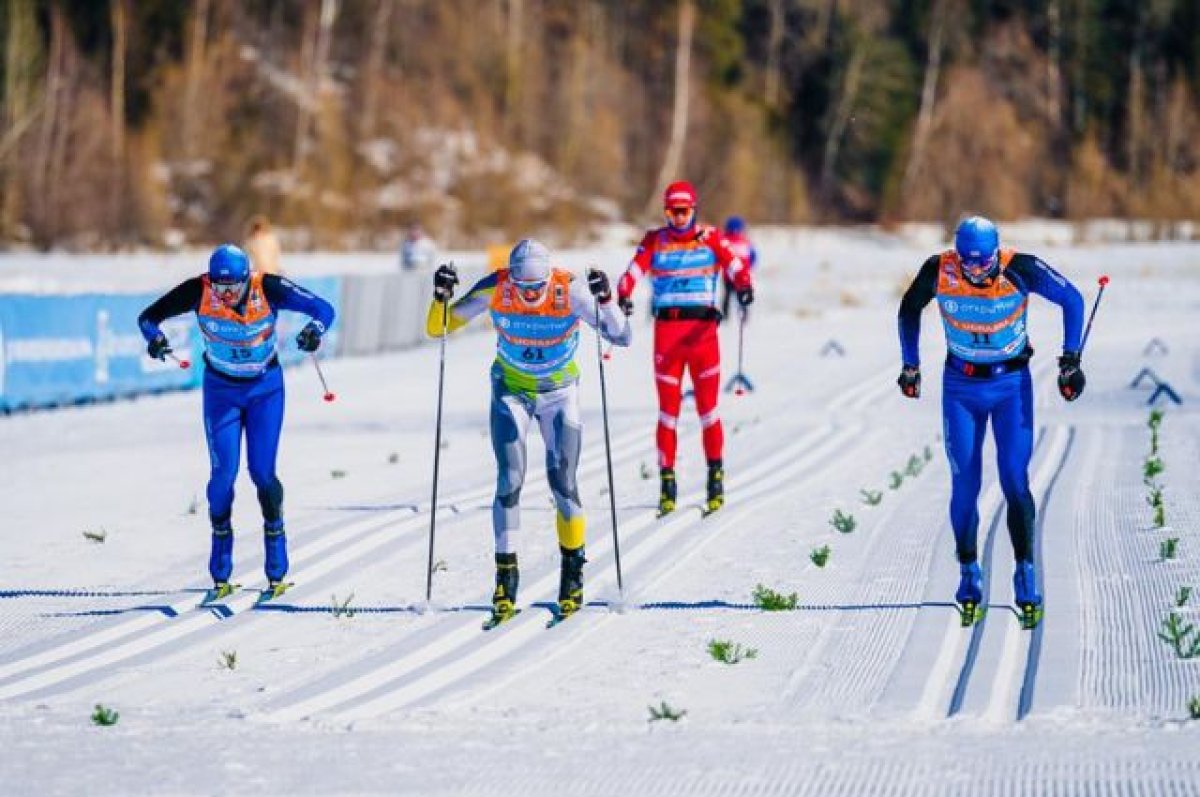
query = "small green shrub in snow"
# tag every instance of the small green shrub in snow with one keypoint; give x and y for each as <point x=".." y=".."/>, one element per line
<point x="895" y="480"/>
<point x="1182" y="595"/>
<point x="98" y="536"/>
<point x="819" y="556"/>
<point x="1168" y="548"/>
<point x="342" y="608"/>
<point x="228" y="660"/>
<point x="871" y="497"/>
<point x="1153" y="466"/>
<point x="337" y="473"/>
<point x="1181" y="636"/>
<point x="769" y="600"/>
<point x="665" y="712"/>
<point x="914" y="466"/>
<point x="105" y="716"/>
<point x="728" y="652"/>
<point x="1194" y="708"/>
<point x="843" y="522"/>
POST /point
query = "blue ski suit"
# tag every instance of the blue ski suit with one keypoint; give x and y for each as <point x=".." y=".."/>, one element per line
<point x="243" y="392"/>
<point x="987" y="376"/>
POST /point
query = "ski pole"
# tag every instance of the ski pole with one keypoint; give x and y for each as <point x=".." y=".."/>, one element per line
<point x="612" y="496"/>
<point x="179" y="362"/>
<point x="1095" y="306"/>
<point x="316" y="363"/>
<point x="741" y="388"/>
<point x="437" y="448"/>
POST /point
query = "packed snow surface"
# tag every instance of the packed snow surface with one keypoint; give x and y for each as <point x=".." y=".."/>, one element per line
<point x="351" y="683"/>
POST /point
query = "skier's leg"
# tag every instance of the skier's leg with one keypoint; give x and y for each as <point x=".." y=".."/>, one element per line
<point x="964" y="427"/>
<point x="223" y="434"/>
<point x="264" y="422"/>
<point x="558" y="417"/>
<point x="562" y="430"/>
<point x="668" y="377"/>
<point x="1012" y="420"/>
<point x="510" y="416"/>
<point x="704" y="365"/>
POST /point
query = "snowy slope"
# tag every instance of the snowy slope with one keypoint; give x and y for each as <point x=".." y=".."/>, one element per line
<point x="868" y="687"/>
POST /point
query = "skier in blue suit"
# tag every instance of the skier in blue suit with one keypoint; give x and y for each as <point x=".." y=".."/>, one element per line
<point x="983" y="293"/>
<point x="243" y="389"/>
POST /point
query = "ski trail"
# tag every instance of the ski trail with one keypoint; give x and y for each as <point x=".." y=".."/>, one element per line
<point x="388" y="673"/>
<point x="127" y="638"/>
<point x="992" y="682"/>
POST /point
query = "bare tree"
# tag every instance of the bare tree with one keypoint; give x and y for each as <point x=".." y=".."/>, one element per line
<point x="373" y="78"/>
<point x="679" y="112"/>
<point x="22" y="55"/>
<point x="841" y="116"/>
<point x="772" y="93"/>
<point x="195" y="51"/>
<point x="916" y="155"/>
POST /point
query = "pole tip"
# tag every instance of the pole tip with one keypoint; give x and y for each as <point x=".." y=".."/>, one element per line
<point x="741" y="391"/>
<point x="1103" y="280"/>
<point x="330" y="397"/>
<point x="185" y="363"/>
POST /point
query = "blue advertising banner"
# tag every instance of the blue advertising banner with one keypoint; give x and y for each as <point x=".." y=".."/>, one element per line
<point x="57" y="350"/>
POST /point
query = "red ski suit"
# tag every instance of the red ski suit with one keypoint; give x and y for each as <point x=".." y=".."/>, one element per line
<point x="684" y="268"/>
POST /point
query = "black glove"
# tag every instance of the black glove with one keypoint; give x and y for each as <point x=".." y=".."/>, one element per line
<point x="745" y="297"/>
<point x="626" y="304"/>
<point x="598" y="285"/>
<point x="159" y="348"/>
<point x="1070" y="377"/>
<point x="309" y="339"/>
<point x="444" y="280"/>
<point x="910" y="381"/>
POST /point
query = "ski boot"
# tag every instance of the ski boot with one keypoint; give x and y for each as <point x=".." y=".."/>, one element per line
<point x="970" y="594"/>
<point x="715" y="487"/>
<point x="276" y="565"/>
<point x="570" y="584"/>
<point x="220" y="562"/>
<point x="505" y="595"/>
<point x="667" y="493"/>
<point x="1029" y="600"/>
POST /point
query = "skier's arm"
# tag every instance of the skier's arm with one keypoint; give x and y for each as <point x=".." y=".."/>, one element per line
<point x="474" y="302"/>
<point x="1041" y="279"/>
<point x="638" y="267"/>
<point x="612" y="323"/>
<point x="183" y="298"/>
<point x="283" y="294"/>
<point x="919" y="294"/>
<point x="736" y="271"/>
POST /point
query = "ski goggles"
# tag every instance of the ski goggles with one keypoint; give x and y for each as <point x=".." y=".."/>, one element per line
<point x="229" y="291"/>
<point x="530" y="289"/>
<point x="978" y="267"/>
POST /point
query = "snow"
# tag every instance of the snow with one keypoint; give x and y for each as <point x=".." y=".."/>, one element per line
<point x="869" y="687"/>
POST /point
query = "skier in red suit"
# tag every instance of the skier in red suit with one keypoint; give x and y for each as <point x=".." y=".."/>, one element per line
<point x="685" y="261"/>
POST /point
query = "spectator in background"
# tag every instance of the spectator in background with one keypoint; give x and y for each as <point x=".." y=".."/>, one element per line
<point x="418" y="252"/>
<point x="735" y="234"/>
<point x="262" y="246"/>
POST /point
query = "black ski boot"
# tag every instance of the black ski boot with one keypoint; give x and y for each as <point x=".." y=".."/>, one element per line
<point x="570" y="582"/>
<point x="667" y="493"/>
<point x="504" y="597"/>
<point x="716" y="487"/>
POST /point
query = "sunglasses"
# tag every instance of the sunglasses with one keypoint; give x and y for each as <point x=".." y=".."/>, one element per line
<point x="228" y="290"/>
<point x="978" y="266"/>
<point x="679" y="211"/>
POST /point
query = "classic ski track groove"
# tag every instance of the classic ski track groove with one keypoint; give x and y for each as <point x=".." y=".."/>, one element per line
<point x="418" y="669"/>
<point x="125" y="637"/>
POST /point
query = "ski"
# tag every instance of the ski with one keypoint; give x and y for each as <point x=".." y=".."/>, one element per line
<point x="219" y="593"/>
<point x="273" y="591"/>
<point x="1030" y="616"/>
<point x="560" y="616"/>
<point x="970" y="613"/>
<point x="499" y="617"/>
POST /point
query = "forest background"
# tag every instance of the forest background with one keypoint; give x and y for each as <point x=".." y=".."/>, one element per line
<point x="161" y="124"/>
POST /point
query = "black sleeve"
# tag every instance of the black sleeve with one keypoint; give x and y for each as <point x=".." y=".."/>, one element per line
<point x="183" y="298"/>
<point x="919" y="294"/>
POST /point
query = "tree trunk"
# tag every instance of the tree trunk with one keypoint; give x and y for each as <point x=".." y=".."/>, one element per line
<point x="380" y="25"/>
<point x="512" y="67"/>
<point x="42" y="189"/>
<point x="196" y="46"/>
<point x="22" y="52"/>
<point x="772" y="94"/>
<point x="841" y="118"/>
<point x="673" y="161"/>
<point x="314" y="55"/>
<point x="916" y="155"/>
